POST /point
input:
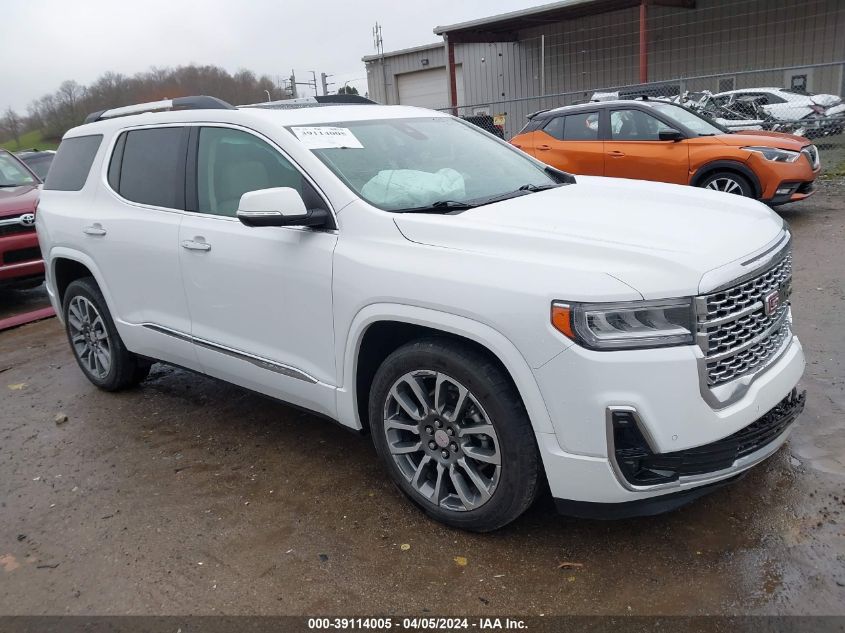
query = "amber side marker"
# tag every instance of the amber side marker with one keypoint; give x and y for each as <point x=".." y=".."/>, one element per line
<point x="562" y="319"/>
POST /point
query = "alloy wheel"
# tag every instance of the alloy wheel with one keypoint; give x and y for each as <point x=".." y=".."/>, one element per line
<point x="89" y="337"/>
<point x="728" y="185"/>
<point x="442" y="441"/>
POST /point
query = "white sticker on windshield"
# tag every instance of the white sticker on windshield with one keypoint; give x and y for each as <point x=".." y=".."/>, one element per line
<point x="327" y="137"/>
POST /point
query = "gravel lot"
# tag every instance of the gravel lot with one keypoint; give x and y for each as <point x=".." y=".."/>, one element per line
<point x="189" y="496"/>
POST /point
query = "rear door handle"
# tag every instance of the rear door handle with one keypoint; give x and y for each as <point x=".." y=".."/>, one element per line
<point x="544" y="148"/>
<point x="95" y="229"/>
<point x="192" y="245"/>
<point x="616" y="153"/>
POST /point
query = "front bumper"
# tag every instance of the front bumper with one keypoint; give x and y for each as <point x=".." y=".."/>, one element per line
<point x="662" y="386"/>
<point x="797" y="177"/>
<point x="20" y="258"/>
<point x="708" y="467"/>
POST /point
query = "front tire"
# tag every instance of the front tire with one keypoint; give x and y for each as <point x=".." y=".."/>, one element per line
<point x="96" y="345"/>
<point x="454" y="435"/>
<point x="728" y="182"/>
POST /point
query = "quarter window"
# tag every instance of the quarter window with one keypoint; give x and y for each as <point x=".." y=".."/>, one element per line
<point x="231" y="163"/>
<point x="72" y="163"/>
<point x="151" y="168"/>
<point x="635" y="125"/>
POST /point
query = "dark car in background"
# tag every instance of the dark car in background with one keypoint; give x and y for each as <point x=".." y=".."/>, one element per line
<point x="38" y="161"/>
<point x="21" y="265"/>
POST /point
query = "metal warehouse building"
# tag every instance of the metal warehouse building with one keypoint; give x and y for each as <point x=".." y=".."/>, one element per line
<point x="515" y="63"/>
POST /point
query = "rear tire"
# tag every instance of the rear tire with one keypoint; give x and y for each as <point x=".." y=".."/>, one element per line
<point x="94" y="341"/>
<point x="728" y="182"/>
<point x="467" y="454"/>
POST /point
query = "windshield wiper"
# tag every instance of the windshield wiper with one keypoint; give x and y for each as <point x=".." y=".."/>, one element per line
<point x="441" y="206"/>
<point x="533" y="188"/>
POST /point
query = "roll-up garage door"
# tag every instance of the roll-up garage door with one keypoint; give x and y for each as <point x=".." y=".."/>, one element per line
<point x="428" y="88"/>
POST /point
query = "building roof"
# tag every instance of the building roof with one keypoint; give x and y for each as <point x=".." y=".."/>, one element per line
<point x="413" y="49"/>
<point x="504" y="27"/>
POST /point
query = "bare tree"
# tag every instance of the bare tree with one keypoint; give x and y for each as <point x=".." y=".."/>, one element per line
<point x="55" y="113"/>
<point x="12" y="124"/>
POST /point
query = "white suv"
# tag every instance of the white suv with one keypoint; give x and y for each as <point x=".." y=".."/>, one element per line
<point x="492" y="322"/>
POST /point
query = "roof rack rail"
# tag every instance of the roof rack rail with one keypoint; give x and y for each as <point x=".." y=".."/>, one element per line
<point x="201" y="102"/>
<point x="310" y="102"/>
<point x="533" y="114"/>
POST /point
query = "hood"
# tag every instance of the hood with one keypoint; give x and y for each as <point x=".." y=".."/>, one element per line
<point x="826" y="101"/>
<point x="743" y="138"/>
<point x="17" y="200"/>
<point x="659" y="239"/>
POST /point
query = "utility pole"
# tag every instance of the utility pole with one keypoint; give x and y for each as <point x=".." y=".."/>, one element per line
<point x="326" y="84"/>
<point x="379" y="46"/>
<point x="292" y="84"/>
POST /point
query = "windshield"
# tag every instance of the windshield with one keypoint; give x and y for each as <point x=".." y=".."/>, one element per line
<point x="12" y="173"/>
<point x="410" y="164"/>
<point x="689" y="119"/>
<point x="39" y="164"/>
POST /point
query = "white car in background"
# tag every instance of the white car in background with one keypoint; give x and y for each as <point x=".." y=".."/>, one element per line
<point x="814" y="114"/>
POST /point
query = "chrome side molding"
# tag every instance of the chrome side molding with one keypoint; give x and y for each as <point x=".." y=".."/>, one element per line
<point x="258" y="361"/>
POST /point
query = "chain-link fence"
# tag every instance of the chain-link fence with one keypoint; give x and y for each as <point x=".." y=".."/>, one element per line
<point x="771" y="65"/>
<point x="762" y="105"/>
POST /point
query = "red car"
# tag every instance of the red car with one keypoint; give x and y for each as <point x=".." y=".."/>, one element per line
<point x="21" y="265"/>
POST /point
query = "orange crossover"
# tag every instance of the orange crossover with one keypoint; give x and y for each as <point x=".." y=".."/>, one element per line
<point x="658" y="140"/>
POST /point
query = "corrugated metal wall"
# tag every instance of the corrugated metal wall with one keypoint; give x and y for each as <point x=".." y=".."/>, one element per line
<point x="602" y="52"/>
<point x="397" y="65"/>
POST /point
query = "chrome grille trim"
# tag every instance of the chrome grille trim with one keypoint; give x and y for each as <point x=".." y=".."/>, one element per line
<point x="734" y="332"/>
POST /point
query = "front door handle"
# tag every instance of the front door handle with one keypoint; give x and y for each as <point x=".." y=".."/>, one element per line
<point x="95" y="229"/>
<point x="616" y="154"/>
<point x="544" y="148"/>
<point x="192" y="245"/>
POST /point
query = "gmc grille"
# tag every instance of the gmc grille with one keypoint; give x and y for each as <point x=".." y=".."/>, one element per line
<point x="737" y="331"/>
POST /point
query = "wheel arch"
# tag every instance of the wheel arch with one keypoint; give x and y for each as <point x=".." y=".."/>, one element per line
<point x="399" y="324"/>
<point x="67" y="265"/>
<point x="731" y="166"/>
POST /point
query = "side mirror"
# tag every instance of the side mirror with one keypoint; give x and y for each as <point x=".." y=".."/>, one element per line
<point x="280" y="206"/>
<point x="670" y="135"/>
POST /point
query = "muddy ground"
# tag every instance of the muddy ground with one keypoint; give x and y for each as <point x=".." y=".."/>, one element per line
<point x="189" y="496"/>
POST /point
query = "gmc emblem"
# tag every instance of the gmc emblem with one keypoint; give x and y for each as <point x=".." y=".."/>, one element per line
<point x="771" y="302"/>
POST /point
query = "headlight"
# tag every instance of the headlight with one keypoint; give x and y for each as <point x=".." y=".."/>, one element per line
<point x="774" y="154"/>
<point x="626" y="325"/>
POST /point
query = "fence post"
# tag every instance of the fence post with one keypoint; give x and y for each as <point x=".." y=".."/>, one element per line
<point x="542" y="65"/>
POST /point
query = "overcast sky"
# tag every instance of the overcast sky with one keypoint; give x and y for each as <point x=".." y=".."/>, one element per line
<point x="45" y="42"/>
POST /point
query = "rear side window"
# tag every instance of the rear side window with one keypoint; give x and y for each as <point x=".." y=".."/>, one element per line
<point x="148" y="166"/>
<point x="72" y="162"/>
<point x="583" y="126"/>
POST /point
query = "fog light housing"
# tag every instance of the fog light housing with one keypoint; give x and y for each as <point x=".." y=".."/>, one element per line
<point x="634" y="458"/>
<point x="783" y="191"/>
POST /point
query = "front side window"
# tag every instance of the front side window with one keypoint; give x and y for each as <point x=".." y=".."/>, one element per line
<point x="72" y="162"/>
<point x="689" y="119"/>
<point x="401" y="164"/>
<point x="151" y="169"/>
<point x="231" y="163"/>
<point x="12" y="173"/>
<point x="635" y="125"/>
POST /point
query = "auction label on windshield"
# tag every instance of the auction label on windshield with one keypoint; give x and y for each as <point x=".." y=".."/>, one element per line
<point x="327" y="137"/>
